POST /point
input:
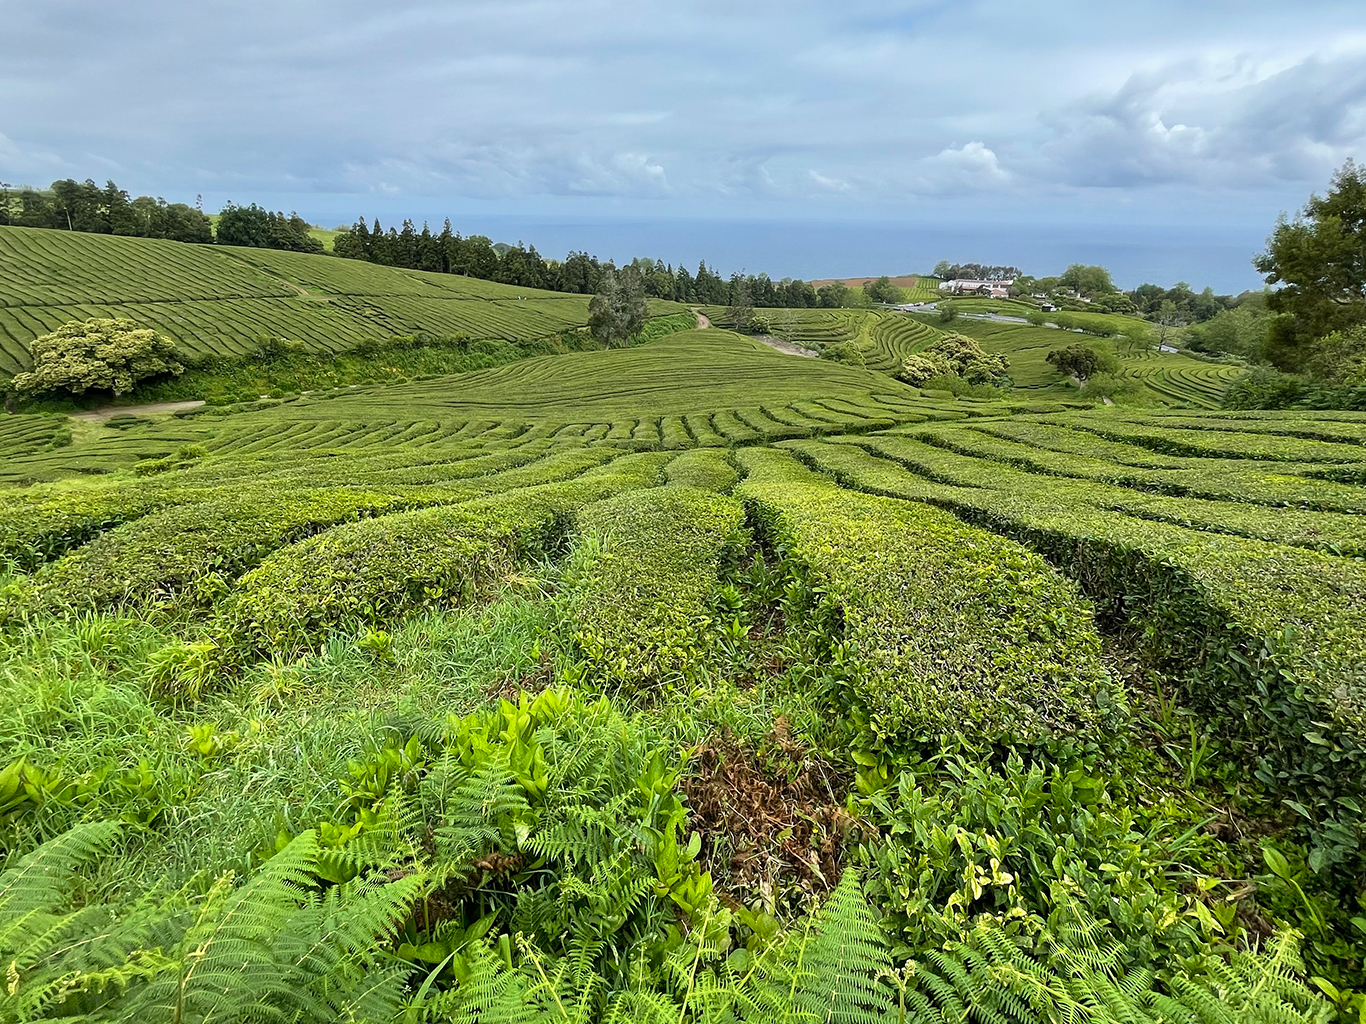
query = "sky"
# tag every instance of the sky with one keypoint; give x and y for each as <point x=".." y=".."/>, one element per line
<point x="799" y="138"/>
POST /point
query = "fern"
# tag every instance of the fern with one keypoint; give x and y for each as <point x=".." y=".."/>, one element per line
<point x="1079" y="979"/>
<point x="276" y="948"/>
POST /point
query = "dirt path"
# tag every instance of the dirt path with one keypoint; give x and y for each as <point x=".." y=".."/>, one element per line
<point x="791" y="348"/>
<point x="95" y="415"/>
<point x="702" y="321"/>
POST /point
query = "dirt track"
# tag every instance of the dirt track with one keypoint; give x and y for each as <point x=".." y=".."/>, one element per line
<point x="95" y="415"/>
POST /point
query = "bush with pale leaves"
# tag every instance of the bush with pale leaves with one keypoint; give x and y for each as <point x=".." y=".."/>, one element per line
<point x="97" y="355"/>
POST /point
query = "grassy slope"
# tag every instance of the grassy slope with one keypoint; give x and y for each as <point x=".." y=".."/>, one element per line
<point x="328" y="496"/>
<point x="220" y="300"/>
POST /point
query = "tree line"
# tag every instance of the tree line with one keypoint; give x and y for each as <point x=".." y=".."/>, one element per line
<point x="71" y="205"/>
<point x="449" y="252"/>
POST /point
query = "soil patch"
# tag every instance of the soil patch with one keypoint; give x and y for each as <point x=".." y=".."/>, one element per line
<point x="791" y="348"/>
<point x="773" y="824"/>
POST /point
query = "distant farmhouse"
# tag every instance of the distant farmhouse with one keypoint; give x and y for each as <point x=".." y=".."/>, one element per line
<point x="968" y="286"/>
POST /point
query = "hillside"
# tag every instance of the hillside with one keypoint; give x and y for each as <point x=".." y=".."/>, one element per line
<point x="882" y="340"/>
<point x="221" y="300"/>
<point x="476" y="695"/>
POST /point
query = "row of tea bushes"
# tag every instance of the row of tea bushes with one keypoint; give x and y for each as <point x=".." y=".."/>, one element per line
<point x="1268" y="638"/>
<point x="941" y="626"/>
<point x="372" y="572"/>
<point x="640" y="605"/>
<point x="955" y="458"/>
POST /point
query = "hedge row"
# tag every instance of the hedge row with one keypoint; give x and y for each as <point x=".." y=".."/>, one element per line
<point x="640" y="611"/>
<point x="40" y="525"/>
<point x="189" y="554"/>
<point x="954" y="459"/>
<point x="948" y="627"/>
<point x="374" y="571"/>
<point x="1221" y="443"/>
<point x="1270" y="639"/>
<point x="706" y="468"/>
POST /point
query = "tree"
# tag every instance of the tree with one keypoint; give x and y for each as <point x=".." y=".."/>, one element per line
<point x="244" y="225"/>
<point x="834" y="295"/>
<point x="882" y="290"/>
<point x="96" y="355"/>
<point x="948" y="312"/>
<point x="1089" y="281"/>
<point x="618" y="311"/>
<point x="1082" y="361"/>
<point x="741" y="309"/>
<point x="1169" y="319"/>
<point x="1319" y="261"/>
<point x="956" y="355"/>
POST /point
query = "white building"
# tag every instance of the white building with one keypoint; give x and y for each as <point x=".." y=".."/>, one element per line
<point x="967" y="286"/>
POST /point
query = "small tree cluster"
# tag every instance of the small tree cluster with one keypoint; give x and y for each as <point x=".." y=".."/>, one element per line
<point x="261" y="229"/>
<point x="618" y="311"/>
<point x="1082" y="361"/>
<point x="96" y="355"/>
<point x="956" y="355"/>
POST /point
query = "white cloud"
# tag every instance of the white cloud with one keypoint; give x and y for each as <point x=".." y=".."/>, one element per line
<point x="829" y="184"/>
<point x="1213" y="124"/>
<point x="969" y="168"/>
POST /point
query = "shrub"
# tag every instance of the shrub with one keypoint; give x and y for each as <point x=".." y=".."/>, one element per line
<point x="706" y="468"/>
<point x="191" y="553"/>
<point x="955" y="355"/>
<point x="640" y="606"/>
<point x="372" y="572"/>
<point x="1083" y="361"/>
<point x="934" y="626"/>
<point x="96" y="355"/>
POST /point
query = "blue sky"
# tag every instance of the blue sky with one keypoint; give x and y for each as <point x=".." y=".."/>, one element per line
<point x="1102" y="118"/>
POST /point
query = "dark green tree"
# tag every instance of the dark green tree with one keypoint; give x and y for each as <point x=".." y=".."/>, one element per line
<point x="618" y="311"/>
<point x="1319" y="261"/>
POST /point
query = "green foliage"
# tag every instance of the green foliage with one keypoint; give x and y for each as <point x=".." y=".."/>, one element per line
<point x="190" y="554"/>
<point x="924" y="624"/>
<point x="97" y="355"/>
<point x="1016" y="841"/>
<point x="618" y="311"/>
<point x="1083" y="361"/>
<point x="640" y="602"/>
<point x="272" y="947"/>
<point x="1316" y="261"/>
<point x="1079" y="975"/>
<point x="182" y="458"/>
<point x="956" y="355"/>
<point x="375" y="570"/>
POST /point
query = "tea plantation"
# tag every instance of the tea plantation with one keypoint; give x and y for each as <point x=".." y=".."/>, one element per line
<point x="691" y="681"/>
<point x="222" y="300"/>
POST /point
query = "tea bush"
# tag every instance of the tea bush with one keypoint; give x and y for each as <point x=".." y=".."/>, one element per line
<point x="945" y="627"/>
<point x="641" y="605"/>
<point x="374" y="571"/>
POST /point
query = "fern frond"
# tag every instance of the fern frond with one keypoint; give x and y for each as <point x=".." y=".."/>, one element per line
<point x="34" y="888"/>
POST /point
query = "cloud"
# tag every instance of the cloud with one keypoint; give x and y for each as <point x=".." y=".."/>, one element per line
<point x="968" y="168"/>
<point x="829" y="184"/>
<point x="1230" y="124"/>
<point x="784" y="107"/>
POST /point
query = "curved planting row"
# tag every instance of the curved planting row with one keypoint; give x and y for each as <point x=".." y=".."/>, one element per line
<point x="375" y="571"/>
<point x="641" y="594"/>
<point x="935" y="625"/>
<point x="894" y="337"/>
<point x="1270" y="638"/>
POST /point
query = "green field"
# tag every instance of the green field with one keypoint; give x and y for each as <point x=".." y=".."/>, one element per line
<point x="686" y="682"/>
<point x="222" y="300"/>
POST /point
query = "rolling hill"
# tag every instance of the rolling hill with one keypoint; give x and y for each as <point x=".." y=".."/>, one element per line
<point x="222" y="300"/>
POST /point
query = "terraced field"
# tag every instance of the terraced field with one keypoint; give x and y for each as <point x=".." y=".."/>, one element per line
<point x="692" y="651"/>
<point x="224" y="300"/>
